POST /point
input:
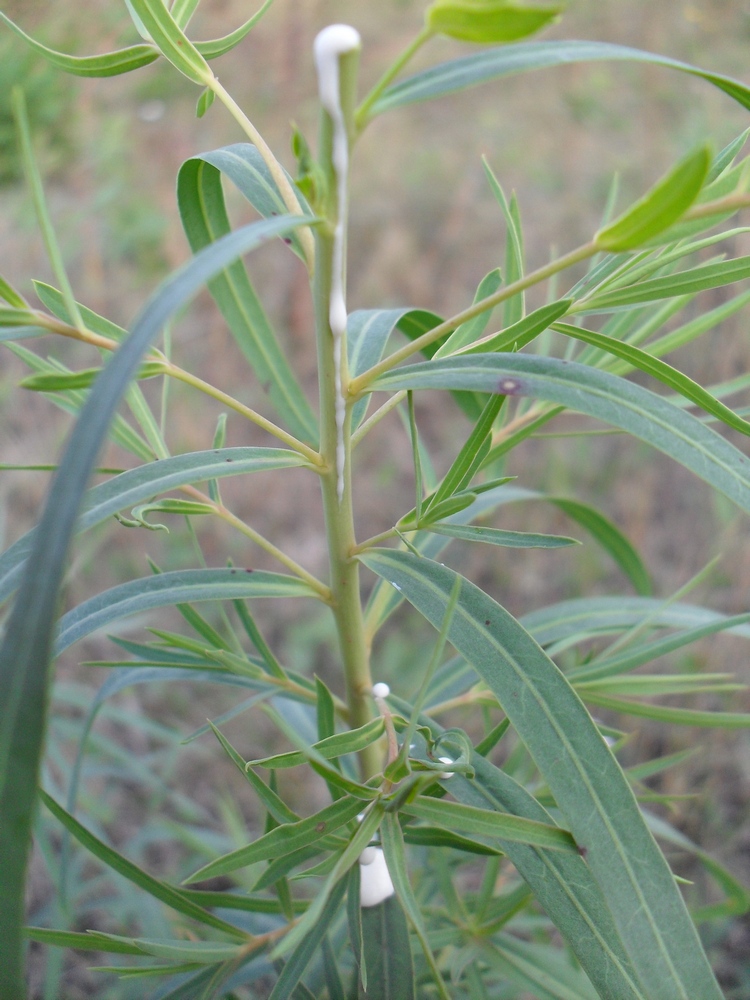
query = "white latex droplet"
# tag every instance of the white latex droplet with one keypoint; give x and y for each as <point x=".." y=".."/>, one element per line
<point x="380" y="690"/>
<point x="374" y="878"/>
<point x="446" y="760"/>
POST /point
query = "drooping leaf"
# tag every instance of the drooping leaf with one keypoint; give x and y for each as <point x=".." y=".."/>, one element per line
<point x="204" y="218"/>
<point x="109" y="64"/>
<point x="584" y="778"/>
<point x="491" y="64"/>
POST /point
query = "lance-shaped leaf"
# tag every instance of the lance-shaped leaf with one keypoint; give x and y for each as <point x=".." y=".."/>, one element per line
<point x="155" y="887"/>
<point x="176" y="587"/>
<point x="663" y="205"/>
<point x="386" y="952"/>
<point x="108" y="64"/>
<point x="284" y="839"/>
<point x="485" y="823"/>
<point x="337" y="745"/>
<point x="450" y="77"/>
<point x="27" y="645"/>
<point x="204" y="218"/>
<point x="583" y="776"/>
<point x="696" y="279"/>
<point x="598" y="394"/>
<point x="488" y="21"/>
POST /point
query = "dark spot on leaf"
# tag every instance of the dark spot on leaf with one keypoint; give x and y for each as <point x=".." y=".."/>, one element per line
<point x="232" y="572"/>
<point x="288" y="240"/>
<point x="228" y="459"/>
<point x="583" y="851"/>
<point x="320" y="827"/>
<point x="510" y="387"/>
<point x="248" y="571"/>
<point x="486" y="621"/>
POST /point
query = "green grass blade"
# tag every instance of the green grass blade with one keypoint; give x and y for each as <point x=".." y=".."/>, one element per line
<point x="117" y="862"/>
<point x="204" y="218"/>
<point x="27" y="645"/>
<point x="585" y="779"/>
<point x="522" y="332"/>
<point x="167" y="589"/>
<point x="109" y="64"/>
<point x="598" y="394"/>
<point x="670" y="715"/>
<point x="491" y="64"/>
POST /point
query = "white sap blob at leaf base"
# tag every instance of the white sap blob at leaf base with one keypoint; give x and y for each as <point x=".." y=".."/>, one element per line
<point x="375" y="884"/>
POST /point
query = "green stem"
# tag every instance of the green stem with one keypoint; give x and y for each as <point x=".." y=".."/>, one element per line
<point x="362" y="116"/>
<point x="267" y="425"/>
<point x="335" y="444"/>
<point x="360" y="384"/>
<point x="274" y="167"/>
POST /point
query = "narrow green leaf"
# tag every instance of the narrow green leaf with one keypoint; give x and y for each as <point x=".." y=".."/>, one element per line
<point x="110" y="64"/>
<point x="302" y="955"/>
<point x="660" y="207"/>
<point x="497" y="536"/>
<point x="584" y="778"/>
<point x="219" y="46"/>
<point x="451" y="77"/>
<point x="171" y="41"/>
<point x="193" y="952"/>
<point x="88" y="941"/>
<point x="468" y="332"/>
<point x="167" y="589"/>
<point x="521" y="333"/>
<point x="395" y="856"/>
<point x="697" y="279"/>
<point x="435" y="836"/>
<point x="665" y="373"/>
<point x="204" y="218"/>
<point x="182" y="11"/>
<point x="351" y="741"/>
<point x="283" y="839"/>
<point x="154" y="887"/>
<point x="468" y="819"/>
<point x="670" y="715"/>
<point x="11" y="296"/>
<point x="488" y="21"/>
<point x="598" y="394"/>
<point x="386" y="953"/>
<point x="27" y="644"/>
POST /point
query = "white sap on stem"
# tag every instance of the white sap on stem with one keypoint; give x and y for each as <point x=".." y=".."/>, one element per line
<point x="330" y="44"/>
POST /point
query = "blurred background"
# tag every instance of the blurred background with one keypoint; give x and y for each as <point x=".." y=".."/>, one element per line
<point x="425" y="229"/>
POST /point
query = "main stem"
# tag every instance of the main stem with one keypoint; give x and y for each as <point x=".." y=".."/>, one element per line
<point x="335" y="442"/>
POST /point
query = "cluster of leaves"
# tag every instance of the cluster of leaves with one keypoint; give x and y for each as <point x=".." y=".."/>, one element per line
<point x="561" y="810"/>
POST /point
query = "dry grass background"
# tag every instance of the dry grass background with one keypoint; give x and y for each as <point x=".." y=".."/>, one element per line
<point x="424" y="231"/>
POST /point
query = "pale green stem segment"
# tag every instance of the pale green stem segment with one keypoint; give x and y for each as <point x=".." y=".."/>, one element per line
<point x="274" y="167"/>
<point x="335" y="429"/>
<point x="362" y="116"/>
